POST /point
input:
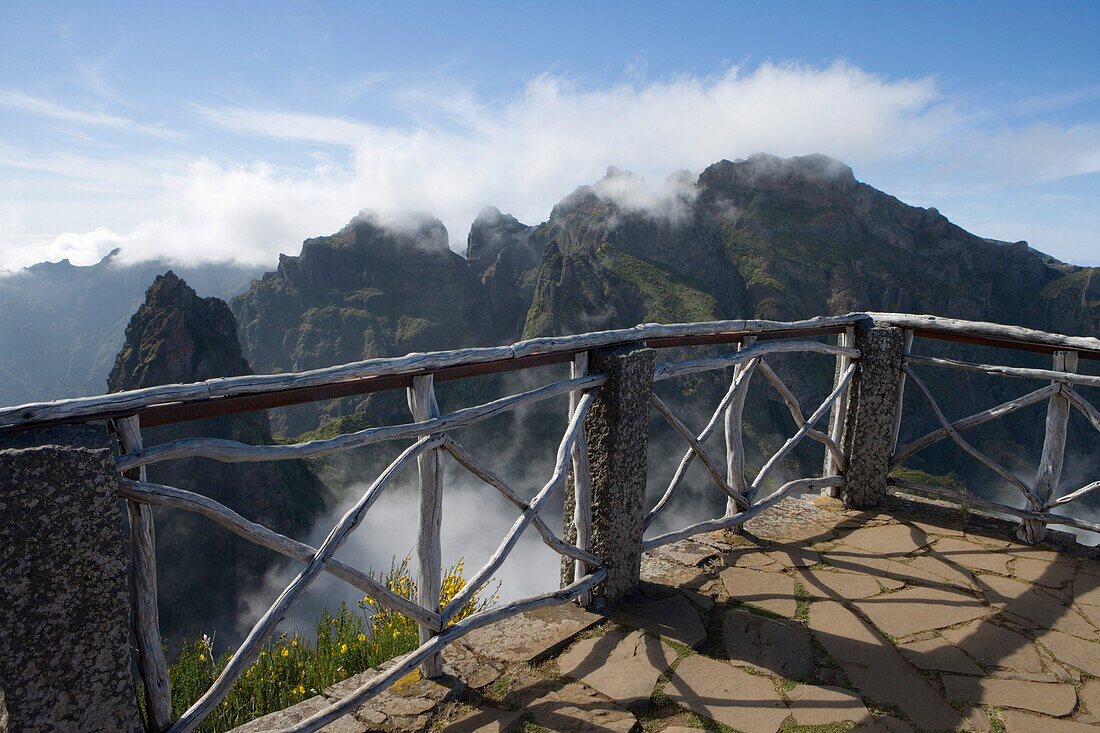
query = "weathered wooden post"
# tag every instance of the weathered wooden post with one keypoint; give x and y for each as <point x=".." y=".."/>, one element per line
<point x="581" y="482"/>
<point x="617" y="432"/>
<point x="64" y="615"/>
<point x="1054" y="447"/>
<point x="735" y="441"/>
<point x="872" y="406"/>
<point x="429" y="553"/>
<point x="143" y="590"/>
<point x="839" y="411"/>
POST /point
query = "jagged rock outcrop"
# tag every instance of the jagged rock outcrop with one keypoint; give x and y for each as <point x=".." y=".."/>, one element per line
<point x="500" y="251"/>
<point x="375" y="288"/>
<point x="61" y="325"/>
<point x="206" y="572"/>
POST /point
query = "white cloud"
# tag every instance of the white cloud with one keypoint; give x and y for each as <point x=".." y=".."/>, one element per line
<point x="525" y="153"/>
<point x="36" y="105"/>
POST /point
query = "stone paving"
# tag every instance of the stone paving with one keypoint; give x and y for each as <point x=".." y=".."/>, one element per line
<point x="814" y="619"/>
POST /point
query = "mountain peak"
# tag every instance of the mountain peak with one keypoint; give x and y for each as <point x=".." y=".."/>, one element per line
<point x="767" y="172"/>
<point x="176" y="336"/>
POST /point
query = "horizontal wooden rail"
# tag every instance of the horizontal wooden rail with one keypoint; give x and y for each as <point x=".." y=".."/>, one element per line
<point x="231" y="451"/>
<point x="179" y="402"/>
<point x="982" y="333"/>
<point x="1007" y="371"/>
<point x="668" y="370"/>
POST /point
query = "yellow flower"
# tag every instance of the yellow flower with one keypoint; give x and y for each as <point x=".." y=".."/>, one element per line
<point x="362" y="638"/>
<point x="286" y="651"/>
<point x="202" y="657"/>
<point x="343" y="648"/>
<point x="294" y="642"/>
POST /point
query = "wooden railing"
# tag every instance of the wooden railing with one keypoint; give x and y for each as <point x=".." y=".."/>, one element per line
<point x="430" y="430"/>
<point x="1059" y="393"/>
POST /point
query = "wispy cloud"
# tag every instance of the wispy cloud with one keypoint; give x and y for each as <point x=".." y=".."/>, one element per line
<point x="16" y="99"/>
<point x="364" y="84"/>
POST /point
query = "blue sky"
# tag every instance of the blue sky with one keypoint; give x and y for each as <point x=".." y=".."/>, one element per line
<point x="206" y="131"/>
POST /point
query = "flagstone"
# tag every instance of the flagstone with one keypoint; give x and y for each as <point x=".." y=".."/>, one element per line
<point x="1007" y="674"/>
<point x="919" y="609"/>
<point x="625" y="667"/>
<point x="1063" y="672"/>
<point x="887" y="540"/>
<point x="971" y="556"/>
<point x="815" y="705"/>
<point x="726" y="694"/>
<point x="937" y="529"/>
<point x="977" y="719"/>
<point x="750" y="558"/>
<point x="1043" y="572"/>
<point x="876" y="668"/>
<point x="780" y="646"/>
<point x="1044" y="554"/>
<point x="771" y="591"/>
<point x="996" y="647"/>
<point x="1040" y="697"/>
<point x="805" y="532"/>
<point x="854" y="561"/>
<point x="1090" y="696"/>
<point x="487" y="720"/>
<point x="673" y="618"/>
<point x="1042" y="610"/>
<point x="794" y="556"/>
<point x="1086" y="588"/>
<point x="933" y="565"/>
<point x="1085" y="655"/>
<point x="1089" y="566"/>
<point x="938" y="654"/>
<point x="886" y="724"/>
<point x="692" y="555"/>
<point x="571" y="708"/>
<point x="1017" y="722"/>
<point x="838" y="586"/>
<point x="532" y="635"/>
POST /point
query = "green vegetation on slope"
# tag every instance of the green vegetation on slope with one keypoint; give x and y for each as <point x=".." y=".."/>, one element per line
<point x="291" y="669"/>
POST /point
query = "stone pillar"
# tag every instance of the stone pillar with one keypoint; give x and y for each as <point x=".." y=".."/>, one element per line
<point x="872" y="403"/>
<point x="617" y="428"/>
<point x="64" y="614"/>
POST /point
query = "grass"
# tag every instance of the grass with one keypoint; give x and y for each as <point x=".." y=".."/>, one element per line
<point x="292" y="668"/>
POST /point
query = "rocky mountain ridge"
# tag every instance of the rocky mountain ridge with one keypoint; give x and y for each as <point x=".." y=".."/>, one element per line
<point x="207" y="573"/>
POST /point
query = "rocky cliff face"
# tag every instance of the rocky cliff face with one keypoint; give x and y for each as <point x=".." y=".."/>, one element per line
<point x="787" y="239"/>
<point x="374" y="288"/>
<point x="206" y="572"/>
<point x="758" y="238"/>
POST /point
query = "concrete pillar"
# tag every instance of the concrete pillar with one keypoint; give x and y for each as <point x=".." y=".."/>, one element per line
<point x="64" y="614"/>
<point x="617" y="427"/>
<point x="869" y="425"/>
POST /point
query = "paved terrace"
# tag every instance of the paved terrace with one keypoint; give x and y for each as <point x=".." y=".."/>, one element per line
<point x="816" y="618"/>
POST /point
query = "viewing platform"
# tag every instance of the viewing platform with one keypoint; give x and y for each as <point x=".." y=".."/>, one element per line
<point x="914" y="617"/>
<point x="866" y="594"/>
